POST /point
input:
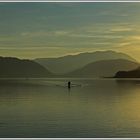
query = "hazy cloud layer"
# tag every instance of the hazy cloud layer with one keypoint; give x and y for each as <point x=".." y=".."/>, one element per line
<point x="30" y="30"/>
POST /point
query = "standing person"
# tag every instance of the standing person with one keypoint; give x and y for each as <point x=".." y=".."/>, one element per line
<point x="69" y="84"/>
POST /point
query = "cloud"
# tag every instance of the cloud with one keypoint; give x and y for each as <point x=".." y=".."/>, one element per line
<point x="124" y="44"/>
<point x="96" y="36"/>
<point x="135" y="38"/>
<point x="121" y="29"/>
<point x="61" y="33"/>
<point x="132" y="39"/>
<point x="44" y="33"/>
<point x="34" y="34"/>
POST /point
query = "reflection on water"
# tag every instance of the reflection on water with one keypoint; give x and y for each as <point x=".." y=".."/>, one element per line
<point x="47" y="108"/>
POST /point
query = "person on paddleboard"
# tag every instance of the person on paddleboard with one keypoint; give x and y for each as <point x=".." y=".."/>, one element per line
<point x="69" y="84"/>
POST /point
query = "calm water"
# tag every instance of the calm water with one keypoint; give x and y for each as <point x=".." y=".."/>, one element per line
<point x="91" y="108"/>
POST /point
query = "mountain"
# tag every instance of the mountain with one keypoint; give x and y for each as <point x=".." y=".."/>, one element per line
<point x="128" y="74"/>
<point x="70" y="63"/>
<point x="14" y="67"/>
<point x="103" y="68"/>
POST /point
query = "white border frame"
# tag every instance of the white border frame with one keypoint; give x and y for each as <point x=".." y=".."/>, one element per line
<point x="74" y="1"/>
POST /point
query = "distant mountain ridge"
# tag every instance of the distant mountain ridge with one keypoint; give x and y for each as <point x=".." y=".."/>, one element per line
<point x="13" y="67"/>
<point x="96" y="64"/>
<point x="103" y="68"/>
<point x="70" y="63"/>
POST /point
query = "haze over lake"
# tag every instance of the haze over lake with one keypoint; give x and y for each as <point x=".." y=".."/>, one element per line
<point x="46" y="108"/>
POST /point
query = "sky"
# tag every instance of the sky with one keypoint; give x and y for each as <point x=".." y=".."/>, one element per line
<point x="34" y="29"/>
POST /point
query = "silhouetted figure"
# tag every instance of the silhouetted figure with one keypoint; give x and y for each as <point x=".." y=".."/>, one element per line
<point x="69" y="84"/>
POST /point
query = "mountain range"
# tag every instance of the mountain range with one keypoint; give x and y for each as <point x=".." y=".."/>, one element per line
<point x="95" y="64"/>
<point x="70" y="63"/>
<point x="103" y="68"/>
<point x="14" y="67"/>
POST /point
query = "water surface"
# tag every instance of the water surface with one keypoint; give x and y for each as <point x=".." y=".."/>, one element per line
<point x="91" y="108"/>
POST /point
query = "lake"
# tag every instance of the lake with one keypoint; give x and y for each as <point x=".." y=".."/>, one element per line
<point x="92" y="108"/>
